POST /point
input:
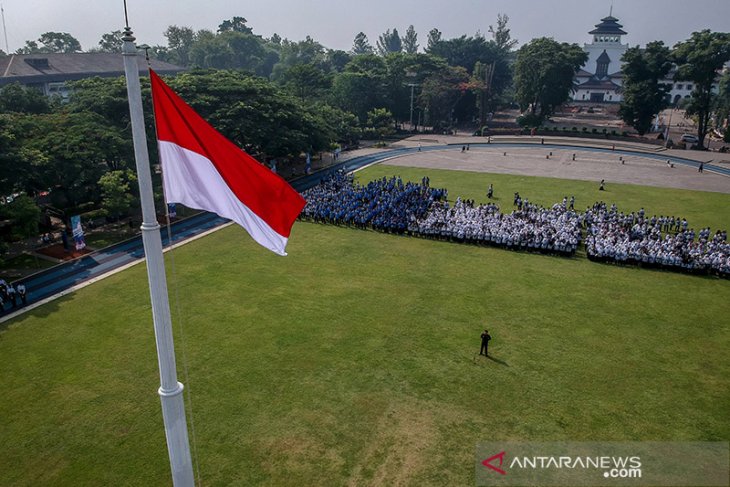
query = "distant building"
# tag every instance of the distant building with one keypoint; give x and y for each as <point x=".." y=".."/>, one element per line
<point x="600" y="79"/>
<point x="50" y="72"/>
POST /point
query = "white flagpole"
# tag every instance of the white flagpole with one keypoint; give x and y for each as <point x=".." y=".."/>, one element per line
<point x="170" y="391"/>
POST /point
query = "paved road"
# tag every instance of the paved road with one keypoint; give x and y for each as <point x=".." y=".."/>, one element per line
<point x="62" y="277"/>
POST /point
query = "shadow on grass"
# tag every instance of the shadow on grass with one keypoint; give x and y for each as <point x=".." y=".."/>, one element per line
<point x="500" y="362"/>
<point x="489" y="357"/>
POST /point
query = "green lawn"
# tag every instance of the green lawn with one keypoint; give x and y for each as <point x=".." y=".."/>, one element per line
<point x="351" y="361"/>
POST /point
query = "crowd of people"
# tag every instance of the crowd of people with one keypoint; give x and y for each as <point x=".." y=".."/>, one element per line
<point x="384" y="204"/>
<point x="418" y="209"/>
<point x="13" y="296"/>
<point x="530" y="227"/>
<point x="662" y="241"/>
<point x="611" y="236"/>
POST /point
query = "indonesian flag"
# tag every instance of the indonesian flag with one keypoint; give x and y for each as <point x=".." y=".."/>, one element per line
<point x="204" y="170"/>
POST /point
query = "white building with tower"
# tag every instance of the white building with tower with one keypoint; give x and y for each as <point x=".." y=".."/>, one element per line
<point x="599" y="81"/>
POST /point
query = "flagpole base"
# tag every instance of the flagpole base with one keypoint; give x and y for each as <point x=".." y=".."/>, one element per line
<point x="176" y="432"/>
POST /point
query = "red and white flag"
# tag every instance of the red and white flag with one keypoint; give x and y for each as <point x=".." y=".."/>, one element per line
<point x="204" y="170"/>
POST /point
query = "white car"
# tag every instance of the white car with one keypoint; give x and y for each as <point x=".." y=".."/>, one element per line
<point x="690" y="139"/>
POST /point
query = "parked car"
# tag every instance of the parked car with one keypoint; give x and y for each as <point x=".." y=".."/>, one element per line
<point x="690" y="139"/>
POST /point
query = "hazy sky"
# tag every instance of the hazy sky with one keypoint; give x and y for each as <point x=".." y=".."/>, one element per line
<point x="334" y="23"/>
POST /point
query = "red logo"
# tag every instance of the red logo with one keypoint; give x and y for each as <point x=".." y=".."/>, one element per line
<point x="488" y="463"/>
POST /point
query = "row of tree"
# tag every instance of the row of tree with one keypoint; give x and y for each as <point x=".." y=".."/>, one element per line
<point x="699" y="60"/>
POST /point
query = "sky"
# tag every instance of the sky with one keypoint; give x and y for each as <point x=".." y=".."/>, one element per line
<point x="334" y="23"/>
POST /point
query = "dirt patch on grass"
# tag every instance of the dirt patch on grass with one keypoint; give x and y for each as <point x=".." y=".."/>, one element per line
<point x="398" y="449"/>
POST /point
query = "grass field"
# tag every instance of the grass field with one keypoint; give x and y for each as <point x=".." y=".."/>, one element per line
<point x="352" y="360"/>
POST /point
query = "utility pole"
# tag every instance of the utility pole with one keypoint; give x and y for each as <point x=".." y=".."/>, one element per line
<point x="411" y="74"/>
<point x="488" y="76"/>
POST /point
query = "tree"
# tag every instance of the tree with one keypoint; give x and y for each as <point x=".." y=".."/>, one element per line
<point x="501" y="35"/>
<point x="30" y="47"/>
<point x="723" y="105"/>
<point x="16" y="98"/>
<point x="699" y="59"/>
<point x="236" y="24"/>
<point x="361" y="45"/>
<point x="410" y="41"/>
<point x="51" y="42"/>
<point x="440" y="93"/>
<point x="64" y="151"/>
<point x="252" y="112"/>
<point x="111" y="42"/>
<point x="232" y="49"/>
<point x="544" y="72"/>
<point x="379" y="123"/>
<point x="336" y="60"/>
<point x="59" y="42"/>
<point x="389" y="42"/>
<point x="179" y="43"/>
<point x="24" y="215"/>
<point x="434" y="37"/>
<point x="305" y="81"/>
<point x="644" y="96"/>
<point x="117" y="192"/>
<point x="362" y="86"/>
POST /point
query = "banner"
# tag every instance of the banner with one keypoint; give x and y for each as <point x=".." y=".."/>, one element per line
<point x="78" y="232"/>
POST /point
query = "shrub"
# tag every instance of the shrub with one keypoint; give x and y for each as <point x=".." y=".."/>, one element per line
<point x="529" y="121"/>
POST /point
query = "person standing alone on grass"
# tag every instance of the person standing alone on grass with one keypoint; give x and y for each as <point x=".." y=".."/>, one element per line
<point x="485" y="343"/>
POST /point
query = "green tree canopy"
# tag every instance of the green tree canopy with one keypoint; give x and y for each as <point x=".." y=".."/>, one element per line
<point x="50" y="42"/>
<point x="699" y="59"/>
<point x="410" y="41"/>
<point x="644" y="96"/>
<point x="24" y="215"/>
<point x="440" y="94"/>
<point x="389" y="42"/>
<point x="252" y="112"/>
<point x="16" y="98"/>
<point x="501" y="34"/>
<point x="118" y="192"/>
<point x="111" y="42"/>
<point x="236" y="24"/>
<point x="180" y="41"/>
<point x="544" y="72"/>
<point x="361" y="45"/>
<point x="434" y="37"/>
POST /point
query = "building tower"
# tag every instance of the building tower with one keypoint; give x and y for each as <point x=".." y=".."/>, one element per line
<point x="600" y="79"/>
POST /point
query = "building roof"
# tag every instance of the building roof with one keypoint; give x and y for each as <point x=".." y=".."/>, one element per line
<point x="603" y="58"/>
<point x="59" y="67"/>
<point x="609" y="25"/>
<point x="582" y="73"/>
<point x="596" y="84"/>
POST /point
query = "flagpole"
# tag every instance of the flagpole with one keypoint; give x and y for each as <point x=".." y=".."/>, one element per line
<point x="170" y="391"/>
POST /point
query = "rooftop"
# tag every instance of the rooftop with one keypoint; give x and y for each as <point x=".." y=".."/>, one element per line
<point x="51" y="67"/>
<point x="609" y="25"/>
